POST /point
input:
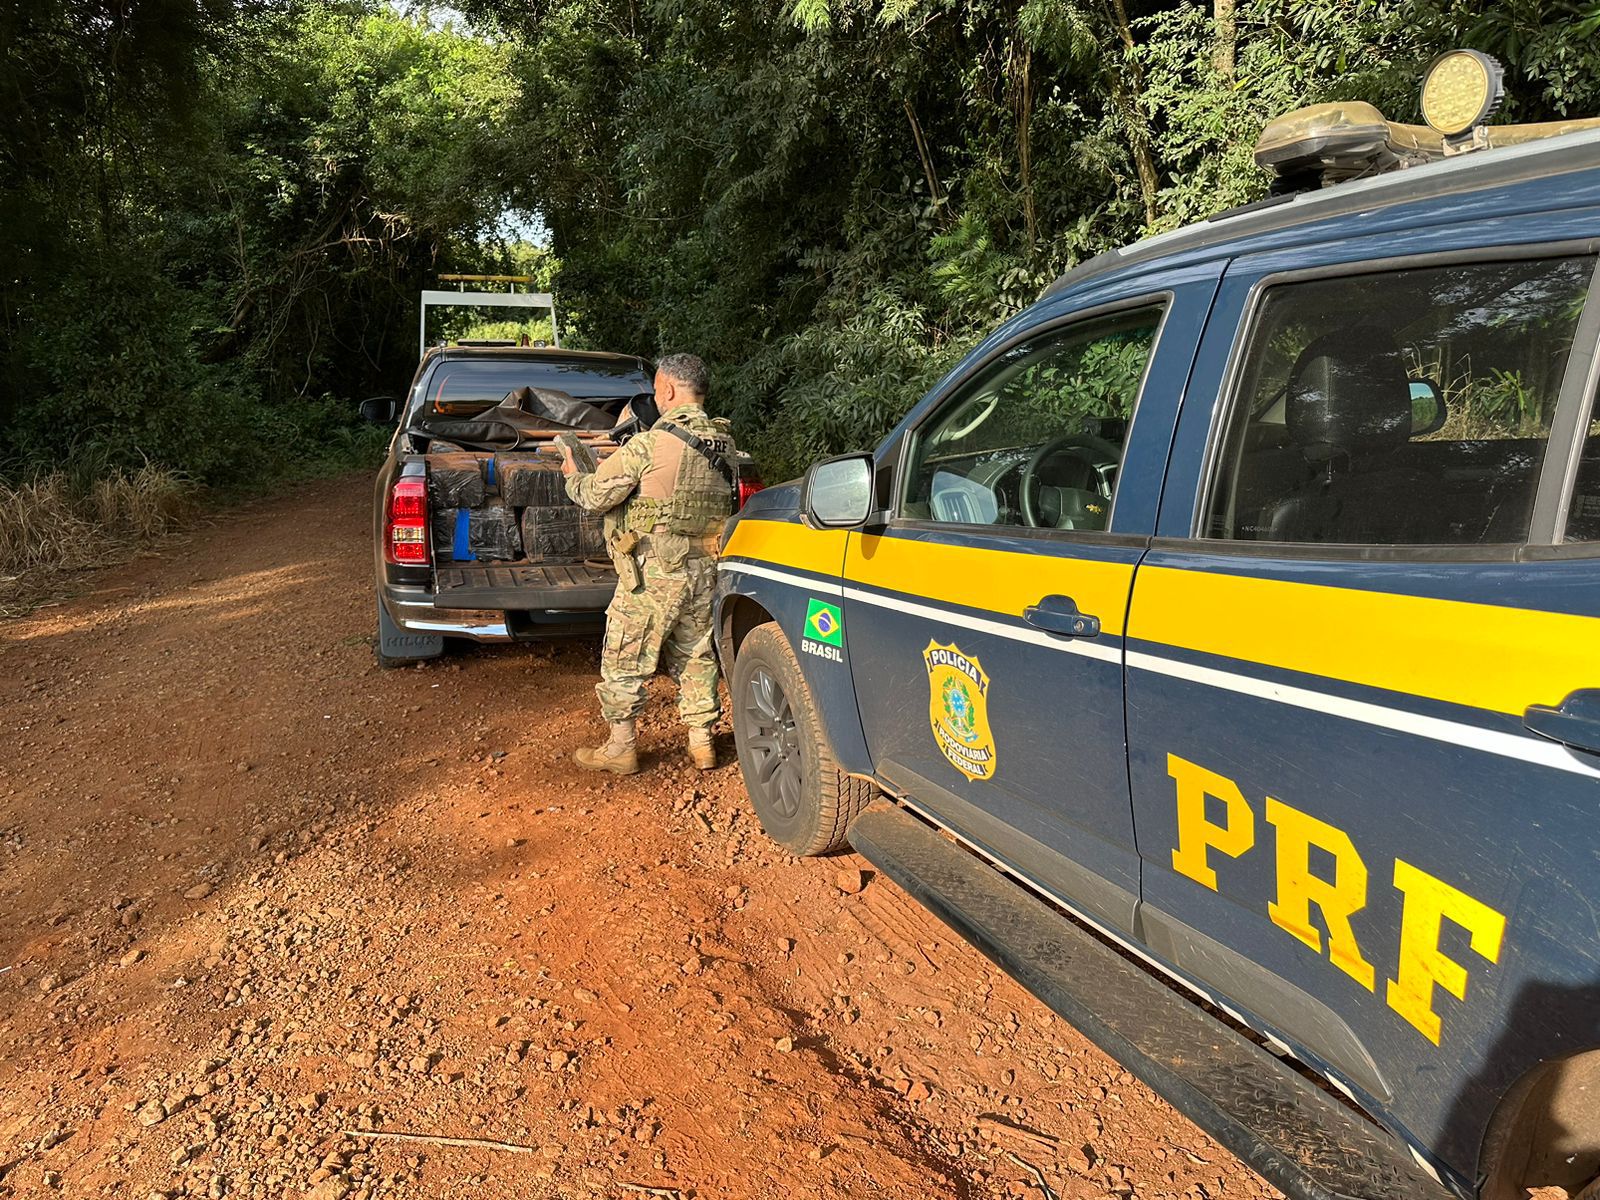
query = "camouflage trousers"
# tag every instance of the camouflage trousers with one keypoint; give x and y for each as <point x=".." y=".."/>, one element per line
<point x="665" y="622"/>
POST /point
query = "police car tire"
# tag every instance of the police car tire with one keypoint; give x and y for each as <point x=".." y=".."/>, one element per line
<point x="829" y="799"/>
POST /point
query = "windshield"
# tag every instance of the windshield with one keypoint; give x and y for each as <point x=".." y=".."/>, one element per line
<point x="464" y="388"/>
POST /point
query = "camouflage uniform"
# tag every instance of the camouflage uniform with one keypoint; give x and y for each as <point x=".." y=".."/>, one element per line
<point x="667" y="495"/>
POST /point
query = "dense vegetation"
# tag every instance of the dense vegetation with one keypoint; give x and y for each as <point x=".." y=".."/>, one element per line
<point x="215" y="215"/>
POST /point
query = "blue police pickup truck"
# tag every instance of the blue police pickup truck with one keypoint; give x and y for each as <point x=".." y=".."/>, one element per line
<point x="1217" y="648"/>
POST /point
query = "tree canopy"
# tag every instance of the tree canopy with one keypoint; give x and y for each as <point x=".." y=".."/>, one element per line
<point x="218" y="213"/>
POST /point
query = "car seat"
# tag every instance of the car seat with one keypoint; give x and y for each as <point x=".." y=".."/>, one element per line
<point x="1348" y="410"/>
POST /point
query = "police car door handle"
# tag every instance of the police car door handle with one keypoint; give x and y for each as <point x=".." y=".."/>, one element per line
<point x="1575" y="722"/>
<point x="1059" y="615"/>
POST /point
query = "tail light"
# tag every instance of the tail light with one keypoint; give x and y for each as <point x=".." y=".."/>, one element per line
<point x="749" y="484"/>
<point x="405" y="536"/>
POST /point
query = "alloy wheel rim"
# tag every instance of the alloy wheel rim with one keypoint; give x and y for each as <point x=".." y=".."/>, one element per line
<point x="773" y="743"/>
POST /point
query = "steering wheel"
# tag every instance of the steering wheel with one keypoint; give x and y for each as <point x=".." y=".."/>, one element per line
<point x="1076" y="508"/>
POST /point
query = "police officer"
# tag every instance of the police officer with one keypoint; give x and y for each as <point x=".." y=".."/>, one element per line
<point x="665" y="496"/>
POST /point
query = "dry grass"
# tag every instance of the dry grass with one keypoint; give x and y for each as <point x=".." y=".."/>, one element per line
<point x="61" y="521"/>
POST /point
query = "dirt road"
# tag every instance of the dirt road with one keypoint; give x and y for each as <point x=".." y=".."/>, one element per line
<point x="260" y="898"/>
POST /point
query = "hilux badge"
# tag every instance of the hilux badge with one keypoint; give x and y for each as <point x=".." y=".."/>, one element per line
<point x="958" y="710"/>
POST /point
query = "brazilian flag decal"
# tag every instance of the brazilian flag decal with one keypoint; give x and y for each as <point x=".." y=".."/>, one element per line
<point x="825" y="623"/>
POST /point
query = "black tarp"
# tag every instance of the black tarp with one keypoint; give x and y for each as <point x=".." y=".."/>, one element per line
<point x="529" y="411"/>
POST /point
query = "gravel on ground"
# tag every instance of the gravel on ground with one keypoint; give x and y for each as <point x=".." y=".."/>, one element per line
<point x="280" y="924"/>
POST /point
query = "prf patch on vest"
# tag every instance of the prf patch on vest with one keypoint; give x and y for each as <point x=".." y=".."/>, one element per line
<point x="958" y="710"/>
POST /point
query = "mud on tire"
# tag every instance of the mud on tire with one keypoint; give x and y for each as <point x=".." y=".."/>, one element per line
<point x="804" y="802"/>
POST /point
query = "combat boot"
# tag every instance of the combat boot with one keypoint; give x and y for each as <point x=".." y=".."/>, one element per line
<point x="619" y="754"/>
<point x="701" y="749"/>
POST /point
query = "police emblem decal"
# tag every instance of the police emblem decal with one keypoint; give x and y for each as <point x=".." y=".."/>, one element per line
<point x="958" y="710"/>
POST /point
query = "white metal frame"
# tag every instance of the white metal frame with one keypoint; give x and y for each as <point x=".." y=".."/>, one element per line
<point x="440" y="299"/>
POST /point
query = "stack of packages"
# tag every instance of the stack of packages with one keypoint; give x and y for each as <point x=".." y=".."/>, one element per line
<point x="553" y="528"/>
<point x="467" y="525"/>
<point x="508" y="506"/>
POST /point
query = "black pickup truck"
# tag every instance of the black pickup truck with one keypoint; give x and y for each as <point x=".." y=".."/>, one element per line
<point x="474" y="536"/>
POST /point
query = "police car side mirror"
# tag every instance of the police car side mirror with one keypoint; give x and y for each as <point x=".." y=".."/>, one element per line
<point x="1428" y="409"/>
<point x="838" y="492"/>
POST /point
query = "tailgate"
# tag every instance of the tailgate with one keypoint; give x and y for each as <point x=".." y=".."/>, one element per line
<point x="581" y="585"/>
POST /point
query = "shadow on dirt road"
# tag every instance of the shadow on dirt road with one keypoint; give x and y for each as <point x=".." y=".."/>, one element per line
<point x="263" y="899"/>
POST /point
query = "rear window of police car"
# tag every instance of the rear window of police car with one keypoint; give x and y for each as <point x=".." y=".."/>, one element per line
<point x="1401" y="407"/>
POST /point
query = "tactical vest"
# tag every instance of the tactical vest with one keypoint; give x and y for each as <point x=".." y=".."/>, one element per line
<point x="702" y="499"/>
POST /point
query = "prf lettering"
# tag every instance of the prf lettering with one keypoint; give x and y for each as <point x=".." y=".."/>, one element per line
<point x="1215" y="821"/>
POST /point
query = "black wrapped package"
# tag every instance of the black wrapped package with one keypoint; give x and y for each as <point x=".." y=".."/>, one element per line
<point x="492" y="533"/>
<point x="446" y="542"/>
<point x="591" y="536"/>
<point x="530" y="480"/>
<point x="455" y="480"/>
<point x="550" y="533"/>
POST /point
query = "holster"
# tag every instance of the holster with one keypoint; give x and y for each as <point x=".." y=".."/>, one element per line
<point x="628" y="577"/>
<point x="622" y="548"/>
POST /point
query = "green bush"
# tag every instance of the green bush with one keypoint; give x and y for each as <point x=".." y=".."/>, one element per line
<point x="218" y="220"/>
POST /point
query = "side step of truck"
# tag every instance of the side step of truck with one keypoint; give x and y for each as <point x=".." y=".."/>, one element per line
<point x="1298" y="1137"/>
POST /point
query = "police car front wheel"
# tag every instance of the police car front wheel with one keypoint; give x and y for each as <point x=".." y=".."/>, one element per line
<point x="804" y="802"/>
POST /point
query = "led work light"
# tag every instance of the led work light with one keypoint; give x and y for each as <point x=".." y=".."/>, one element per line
<point x="1460" y="91"/>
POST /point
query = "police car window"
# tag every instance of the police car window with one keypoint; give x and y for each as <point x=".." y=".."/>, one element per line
<point x="1408" y="407"/>
<point x="1583" y="517"/>
<point x="1036" y="439"/>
